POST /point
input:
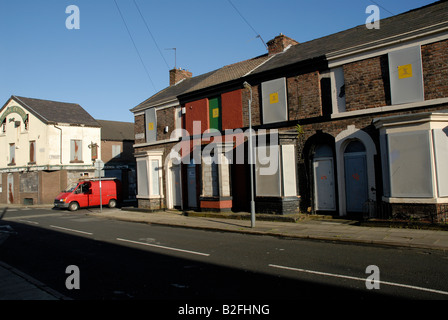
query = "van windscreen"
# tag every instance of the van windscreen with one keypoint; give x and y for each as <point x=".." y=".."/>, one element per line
<point x="71" y="187"/>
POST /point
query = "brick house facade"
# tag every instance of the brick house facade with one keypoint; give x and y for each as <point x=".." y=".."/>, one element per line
<point x="360" y="100"/>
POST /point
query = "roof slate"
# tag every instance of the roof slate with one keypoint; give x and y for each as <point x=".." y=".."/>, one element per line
<point x="170" y="93"/>
<point x="222" y="75"/>
<point x="416" y="21"/>
<point x="116" y="130"/>
<point x="57" y="112"/>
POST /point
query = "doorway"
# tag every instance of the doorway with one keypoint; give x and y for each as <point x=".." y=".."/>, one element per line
<point x="10" y="184"/>
<point x="324" y="186"/>
<point x="191" y="180"/>
<point x="176" y="198"/>
<point x="356" y="184"/>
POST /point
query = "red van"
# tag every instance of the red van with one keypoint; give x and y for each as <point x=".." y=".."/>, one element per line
<point x="86" y="193"/>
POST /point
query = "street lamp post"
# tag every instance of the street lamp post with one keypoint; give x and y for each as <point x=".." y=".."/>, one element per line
<point x="252" y="202"/>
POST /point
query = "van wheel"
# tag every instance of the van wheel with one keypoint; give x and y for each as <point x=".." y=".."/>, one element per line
<point x="74" y="206"/>
<point x="112" y="203"/>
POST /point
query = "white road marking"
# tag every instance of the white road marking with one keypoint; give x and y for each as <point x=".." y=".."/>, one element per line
<point x="72" y="230"/>
<point x="163" y="247"/>
<point x="29" y="222"/>
<point x="359" y="279"/>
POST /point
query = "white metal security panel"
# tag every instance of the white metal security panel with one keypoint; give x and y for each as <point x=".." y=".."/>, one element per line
<point x="441" y="156"/>
<point x="267" y="171"/>
<point x="289" y="170"/>
<point x="151" y="125"/>
<point x="142" y="177"/>
<point x="406" y="75"/>
<point x="275" y="105"/>
<point x="410" y="164"/>
<point x="176" y="185"/>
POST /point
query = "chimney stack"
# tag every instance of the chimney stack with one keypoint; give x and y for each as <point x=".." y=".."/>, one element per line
<point x="177" y="74"/>
<point x="280" y="43"/>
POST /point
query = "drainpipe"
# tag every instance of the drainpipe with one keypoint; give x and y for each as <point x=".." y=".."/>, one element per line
<point x="60" y="150"/>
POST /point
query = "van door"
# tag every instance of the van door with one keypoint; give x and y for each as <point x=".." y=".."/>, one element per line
<point x="82" y="195"/>
<point x="94" y="194"/>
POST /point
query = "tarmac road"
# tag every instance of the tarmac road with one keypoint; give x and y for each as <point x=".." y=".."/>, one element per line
<point x="128" y="260"/>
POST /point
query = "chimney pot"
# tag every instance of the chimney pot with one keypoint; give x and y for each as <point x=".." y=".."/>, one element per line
<point x="280" y="43"/>
<point x="177" y="74"/>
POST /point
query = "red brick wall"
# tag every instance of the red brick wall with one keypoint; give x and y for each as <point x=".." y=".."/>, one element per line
<point x="165" y="117"/>
<point x="304" y="98"/>
<point x="256" y="111"/>
<point x="435" y="69"/>
<point x="366" y="83"/>
<point x="139" y="128"/>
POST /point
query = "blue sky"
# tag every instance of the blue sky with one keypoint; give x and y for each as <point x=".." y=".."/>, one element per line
<point x="98" y="66"/>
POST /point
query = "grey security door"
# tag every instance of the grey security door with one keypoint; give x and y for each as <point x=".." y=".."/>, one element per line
<point x="355" y="165"/>
<point x="324" y="187"/>
<point x="10" y="189"/>
<point x="191" y="180"/>
<point x="176" y="185"/>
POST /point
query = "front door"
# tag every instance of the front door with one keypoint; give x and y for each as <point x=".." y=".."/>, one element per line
<point x="355" y="181"/>
<point x="191" y="180"/>
<point x="324" y="189"/>
<point x="176" y="185"/>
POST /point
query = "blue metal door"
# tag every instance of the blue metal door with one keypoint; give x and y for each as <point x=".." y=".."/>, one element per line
<point x="355" y="181"/>
<point x="191" y="178"/>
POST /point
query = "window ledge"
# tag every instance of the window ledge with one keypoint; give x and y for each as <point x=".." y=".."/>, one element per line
<point x="149" y="197"/>
<point x="425" y="103"/>
<point x="415" y="200"/>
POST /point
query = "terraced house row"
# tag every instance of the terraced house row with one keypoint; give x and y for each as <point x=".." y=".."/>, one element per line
<point x="356" y="121"/>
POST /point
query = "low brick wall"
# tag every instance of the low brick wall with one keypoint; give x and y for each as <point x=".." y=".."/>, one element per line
<point x="277" y="205"/>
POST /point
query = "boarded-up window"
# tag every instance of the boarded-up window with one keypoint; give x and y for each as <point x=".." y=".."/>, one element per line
<point x="142" y="177"/>
<point x="155" y="177"/>
<point x="406" y="75"/>
<point x="149" y="177"/>
<point x="32" y="151"/>
<point x="215" y="113"/>
<point x="151" y="125"/>
<point x="116" y="151"/>
<point x="440" y="137"/>
<point x="410" y="164"/>
<point x="267" y="182"/>
<point x="76" y="150"/>
<point x="12" y="153"/>
<point x="275" y="104"/>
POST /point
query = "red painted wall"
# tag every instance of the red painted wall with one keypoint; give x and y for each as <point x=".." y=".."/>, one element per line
<point x="196" y="111"/>
<point x="232" y="110"/>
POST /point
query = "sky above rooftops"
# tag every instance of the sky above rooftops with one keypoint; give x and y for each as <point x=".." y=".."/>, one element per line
<point x="99" y="67"/>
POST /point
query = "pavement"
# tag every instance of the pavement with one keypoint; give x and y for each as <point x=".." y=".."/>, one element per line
<point x="15" y="285"/>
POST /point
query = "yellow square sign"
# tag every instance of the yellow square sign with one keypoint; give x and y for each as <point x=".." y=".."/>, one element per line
<point x="405" y="71"/>
<point x="273" y="98"/>
<point x="151" y="126"/>
<point x="216" y="113"/>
